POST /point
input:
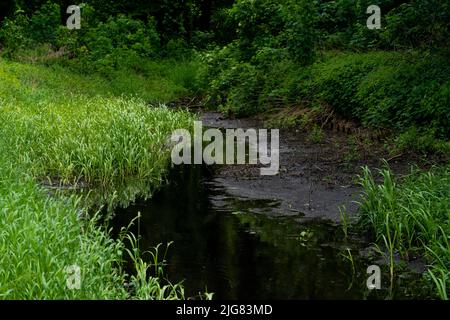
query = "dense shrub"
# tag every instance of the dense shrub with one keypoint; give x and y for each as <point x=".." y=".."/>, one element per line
<point x="120" y="38"/>
<point x="14" y="33"/>
<point x="274" y="24"/>
<point x="395" y="90"/>
<point x="63" y="128"/>
<point x="418" y="23"/>
<point x="389" y="90"/>
<point x="268" y="33"/>
<point x="405" y="24"/>
<point x="119" y="42"/>
<point x="379" y="89"/>
<point x="45" y="23"/>
<point x="22" y="32"/>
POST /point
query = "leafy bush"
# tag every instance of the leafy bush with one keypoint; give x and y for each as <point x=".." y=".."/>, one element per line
<point x="422" y="140"/>
<point x="22" y="32"/>
<point x="390" y="90"/>
<point x="413" y="92"/>
<point x="121" y="37"/>
<point x="379" y="89"/>
<point x="177" y="48"/>
<point x="274" y="24"/>
<point x="14" y="34"/>
<point x="418" y="23"/>
<point x="240" y="76"/>
<point x="45" y="23"/>
<point x="298" y="35"/>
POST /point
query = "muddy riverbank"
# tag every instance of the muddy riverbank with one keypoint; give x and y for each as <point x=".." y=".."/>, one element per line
<point x="317" y="176"/>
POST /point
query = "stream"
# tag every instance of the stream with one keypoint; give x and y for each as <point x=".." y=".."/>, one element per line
<point x="243" y="237"/>
<point x="233" y="249"/>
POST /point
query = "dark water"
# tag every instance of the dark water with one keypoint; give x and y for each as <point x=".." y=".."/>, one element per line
<point x="231" y="248"/>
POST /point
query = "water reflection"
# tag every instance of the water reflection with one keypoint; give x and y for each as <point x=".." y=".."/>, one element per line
<point x="219" y="244"/>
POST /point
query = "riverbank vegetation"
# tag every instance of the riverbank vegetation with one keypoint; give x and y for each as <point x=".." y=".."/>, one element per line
<point x="63" y="131"/>
<point x="292" y="54"/>
<point x="410" y="218"/>
<point x="81" y="110"/>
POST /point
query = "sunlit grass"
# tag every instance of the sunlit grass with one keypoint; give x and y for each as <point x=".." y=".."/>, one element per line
<point x="60" y="133"/>
<point x="41" y="236"/>
<point x="70" y="138"/>
<point x="155" y="81"/>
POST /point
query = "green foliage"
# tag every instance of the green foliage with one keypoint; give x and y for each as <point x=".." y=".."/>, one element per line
<point x="419" y="23"/>
<point x="298" y="35"/>
<point x="14" y="33"/>
<point x="412" y="217"/>
<point x="422" y="140"/>
<point x="122" y="138"/>
<point x="258" y="23"/>
<point x="117" y="42"/>
<point x="392" y="90"/>
<point x="336" y="81"/>
<point x="177" y="48"/>
<point x="43" y="236"/>
<point x="389" y="90"/>
<point x="59" y="132"/>
<point x="107" y="44"/>
<point x="274" y="24"/>
<point x="267" y="65"/>
<point x="223" y="27"/>
<point x="24" y="32"/>
<point x="45" y="23"/>
<point x="174" y="19"/>
<point x="272" y="36"/>
<point x="299" y="26"/>
<point x="405" y="24"/>
<point x="150" y="288"/>
<point x="245" y="88"/>
<point x="316" y="134"/>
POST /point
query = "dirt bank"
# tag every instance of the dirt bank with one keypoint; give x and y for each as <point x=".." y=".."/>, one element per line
<point x="317" y="175"/>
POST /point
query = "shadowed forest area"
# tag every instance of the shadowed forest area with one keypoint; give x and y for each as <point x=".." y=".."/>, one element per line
<point x="91" y="91"/>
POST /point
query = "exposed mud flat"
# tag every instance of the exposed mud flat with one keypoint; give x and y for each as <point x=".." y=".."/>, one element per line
<point x="316" y="177"/>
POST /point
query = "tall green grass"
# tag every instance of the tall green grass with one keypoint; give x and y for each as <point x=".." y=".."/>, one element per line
<point x="412" y="217"/>
<point x="41" y="236"/>
<point x="153" y="81"/>
<point x="62" y="129"/>
<point x="70" y="138"/>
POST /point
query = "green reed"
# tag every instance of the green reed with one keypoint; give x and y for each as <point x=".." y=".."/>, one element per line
<point x="411" y="217"/>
